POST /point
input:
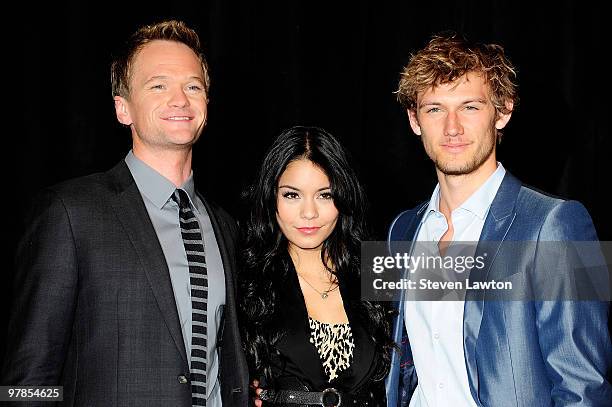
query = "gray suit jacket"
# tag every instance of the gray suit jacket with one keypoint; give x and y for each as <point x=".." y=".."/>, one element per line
<point x="94" y="309"/>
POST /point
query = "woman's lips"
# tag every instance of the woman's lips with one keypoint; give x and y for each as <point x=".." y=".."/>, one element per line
<point x="309" y="230"/>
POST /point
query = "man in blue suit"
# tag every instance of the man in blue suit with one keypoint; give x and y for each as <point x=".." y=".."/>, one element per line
<point x="459" y="96"/>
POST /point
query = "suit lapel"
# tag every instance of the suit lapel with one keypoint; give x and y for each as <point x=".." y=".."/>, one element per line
<point x="132" y="213"/>
<point x="499" y="219"/>
<point x="404" y="228"/>
<point x="223" y="240"/>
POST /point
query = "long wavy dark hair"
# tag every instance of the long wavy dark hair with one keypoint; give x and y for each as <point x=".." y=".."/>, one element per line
<point x="265" y="262"/>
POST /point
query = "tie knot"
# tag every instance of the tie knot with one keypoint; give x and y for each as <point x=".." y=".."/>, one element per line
<point x="180" y="197"/>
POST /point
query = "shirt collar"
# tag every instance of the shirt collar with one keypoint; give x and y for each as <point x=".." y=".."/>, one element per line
<point x="433" y="203"/>
<point x="479" y="202"/>
<point x="154" y="186"/>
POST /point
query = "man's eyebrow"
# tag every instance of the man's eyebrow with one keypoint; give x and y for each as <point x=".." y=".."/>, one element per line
<point x="157" y="77"/>
<point x="468" y="100"/>
<point x="163" y="77"/>
<point x="427" y="104"/>
<point x="475" y="100"/>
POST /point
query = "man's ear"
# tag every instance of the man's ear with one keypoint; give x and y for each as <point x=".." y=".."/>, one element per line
<point x="414" y="121"/>
<point x="122" y="111"/>
<point x="504" y="118"/>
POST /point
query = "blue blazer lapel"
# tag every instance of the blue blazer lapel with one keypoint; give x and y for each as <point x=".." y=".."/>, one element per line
<point x="404" y="228"/>
<point x="496" y="226"/>
<point x="132" y="214"/>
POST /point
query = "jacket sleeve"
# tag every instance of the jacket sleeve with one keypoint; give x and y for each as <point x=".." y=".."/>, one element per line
<point x="573" y="334"/>
<point x="44" y="291"/>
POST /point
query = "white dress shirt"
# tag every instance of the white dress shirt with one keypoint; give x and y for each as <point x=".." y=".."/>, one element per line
<point x="435" y="328"/>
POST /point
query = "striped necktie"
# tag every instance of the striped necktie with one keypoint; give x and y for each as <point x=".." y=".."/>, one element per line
<point x="194" y="248"/>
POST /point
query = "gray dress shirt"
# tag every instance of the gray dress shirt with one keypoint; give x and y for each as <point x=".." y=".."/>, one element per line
<point x="156" y="191"/>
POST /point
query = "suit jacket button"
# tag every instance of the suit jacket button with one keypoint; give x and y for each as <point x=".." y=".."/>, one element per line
<point x="182" y="379"/>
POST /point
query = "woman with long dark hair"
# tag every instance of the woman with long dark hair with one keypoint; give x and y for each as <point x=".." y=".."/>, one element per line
<point x="308" y="336"/>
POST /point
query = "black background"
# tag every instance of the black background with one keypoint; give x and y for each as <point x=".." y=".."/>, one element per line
<point x="330" y="64"/>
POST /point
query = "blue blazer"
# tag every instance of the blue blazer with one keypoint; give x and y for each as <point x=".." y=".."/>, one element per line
<point x="521" y="353"/>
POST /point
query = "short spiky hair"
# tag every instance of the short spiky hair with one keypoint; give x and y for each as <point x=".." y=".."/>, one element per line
<point x="449" y="56"/>
<point x="171" y="30"/>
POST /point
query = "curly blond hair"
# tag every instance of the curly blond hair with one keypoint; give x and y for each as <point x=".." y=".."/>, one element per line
<point x="170" y="30"/>
<point x="448" y="57"/>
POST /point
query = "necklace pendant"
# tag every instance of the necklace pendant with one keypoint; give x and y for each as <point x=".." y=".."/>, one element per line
<point x="324" y="295"/>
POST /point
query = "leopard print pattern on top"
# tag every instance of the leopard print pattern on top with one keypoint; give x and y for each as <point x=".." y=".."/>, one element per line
<point x="334" y="343"/>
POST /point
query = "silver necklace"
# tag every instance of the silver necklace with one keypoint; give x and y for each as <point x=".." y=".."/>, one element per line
<point x="325" y="293"/>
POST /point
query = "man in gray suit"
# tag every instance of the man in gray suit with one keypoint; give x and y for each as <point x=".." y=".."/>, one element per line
<point x="106" y="303"/>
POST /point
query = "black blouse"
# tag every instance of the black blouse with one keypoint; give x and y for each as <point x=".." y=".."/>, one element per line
<point x="295" y="358"/>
